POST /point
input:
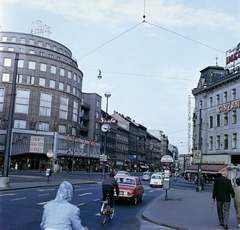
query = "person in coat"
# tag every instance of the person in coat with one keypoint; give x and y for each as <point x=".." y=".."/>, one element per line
<point x="237" y="201"/>
<point x="221" y="191"/>
<point x="60" y="213"/>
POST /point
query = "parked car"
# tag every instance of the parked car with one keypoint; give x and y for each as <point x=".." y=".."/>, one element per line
<point x="156" y="180"/>
<point x="130" y="188"/>
<point x="146" y="176"/>
<point x="122" y="173"/>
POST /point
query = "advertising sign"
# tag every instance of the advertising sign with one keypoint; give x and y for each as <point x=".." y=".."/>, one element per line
<point x="197" y="156"/>
<point x="36" y="144"/>
<point x="167" y="159"/>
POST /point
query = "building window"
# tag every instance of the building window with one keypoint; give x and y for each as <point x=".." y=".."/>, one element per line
<point x="68" y="88"/>
<point x="62" y="128"/>
<point x="7" y="62"/>
<point x="50" y="56"/>
<point x="96" y="125"/>
<point x="224" y="97"/>
<point x="6" y="77"/>
<point x="45" y="104"/>
<point x="40" y="43"/>
<point x="22" y="101"/>
<point x="53" y="69"/>
<point x="73" y="131"/>
<point x="20" y="63"/>
<point x="98" y="104"/>
<point x="1" y="98"/>
<point x="69" y="74"/>
<point x="20" y="124"/>
<point x="74" y="90"/>
<point x="30" y="80"/>
<point x="75" y="110"/>
<point x="233" y="94"/>
<point x="225" y="118"/>
<point x="210" y="102"/>
<point x="210" y="122"/>
<point x="225" y="141"/>
<point x="211" y="143"/>
<point x="22" y="40"/>
<point x="234" y="140"/>
<point x="55" y="48"/>
<point x="48" y="46"/>
<point x="1" y="48"/>
<point x="32" y="51"/>
<point x="52" y="84"/>
<point x="13" y="39"/>
<point x="78" y="93"/>
<point x="218" y="142"/>
<point x="217" y="99"/>
<point x="31" y="42"/>
<point x="200" y="105"/>
<point x="97" y="114"/>
<point x="42" y="81"/>
<point x="79" y="79"/>
<point x="43" y="126"/>
<point x="41" y="53"/>
<point x="19" y="78"/>
<point x="62" y="72"/>
<point x="4" y="39"/>
<point x="218" y="120"/>
<point x="21" y="50"/>
<point x="11" y="49"/>
<point x="74" y="77"/>
<point x="60" y="50"/>
<point x="234" y="117"/>
<point x="43" y="67"/>
<point x="60" y="85"/>
<point x="31" y="65"/>
<point x="58" y="58"/>
<point x="63" y="107"/>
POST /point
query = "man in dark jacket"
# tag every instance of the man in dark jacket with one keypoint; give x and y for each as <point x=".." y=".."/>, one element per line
<point x="108" y="187"/>
<point x="221" y="191"/>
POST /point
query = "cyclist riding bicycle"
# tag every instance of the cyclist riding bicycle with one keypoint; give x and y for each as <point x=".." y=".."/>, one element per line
<point x="108" y="188"/>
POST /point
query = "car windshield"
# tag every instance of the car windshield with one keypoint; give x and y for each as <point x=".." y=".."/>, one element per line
<point x="125" y="181"/>
<point x="146" y="173"/>
<point x="156" y="177"/>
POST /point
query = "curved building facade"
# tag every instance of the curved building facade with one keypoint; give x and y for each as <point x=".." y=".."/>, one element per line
<point x="47" y="113"/>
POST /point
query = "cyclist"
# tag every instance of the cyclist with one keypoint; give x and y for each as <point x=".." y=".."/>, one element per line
<point x="108" y="187"/>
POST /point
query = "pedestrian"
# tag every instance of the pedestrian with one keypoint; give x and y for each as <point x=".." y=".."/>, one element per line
<point x="237" y="201"/>
<point x="45" y="167"/>
<point x="60" y="213"/>
<point x="202" y="181"/>
<point x="16" y="167"/>
<point x="29" y="166"/>
<point x="221" y="191"/>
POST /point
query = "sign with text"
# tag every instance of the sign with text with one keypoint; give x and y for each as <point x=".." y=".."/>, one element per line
<point x="103" y="120"/>
<point x="36" y="144"/>
<point x="197" y="156"/>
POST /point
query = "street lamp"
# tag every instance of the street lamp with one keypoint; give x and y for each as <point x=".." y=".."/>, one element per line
<point x="107" y="95"/>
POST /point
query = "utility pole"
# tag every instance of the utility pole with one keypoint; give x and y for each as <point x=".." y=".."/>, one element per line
<point x="5" y="180"/>
<point x="199" y="188"/>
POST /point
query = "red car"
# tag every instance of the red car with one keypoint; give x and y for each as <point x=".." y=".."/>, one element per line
<point x="130" y="188"/>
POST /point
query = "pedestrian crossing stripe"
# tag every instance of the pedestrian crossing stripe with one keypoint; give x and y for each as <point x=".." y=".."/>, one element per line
<point x="10" y="194"/>
<point x="22" y="198"/>
<point x="84" y="194"/>
<point x="42" y="203"/>
<point x="80" y="204"/>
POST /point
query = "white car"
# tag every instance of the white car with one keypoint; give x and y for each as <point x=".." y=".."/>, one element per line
<point x="156" y="180"/>
<point x="146" y="176"/>
<point x="122" y="173"/>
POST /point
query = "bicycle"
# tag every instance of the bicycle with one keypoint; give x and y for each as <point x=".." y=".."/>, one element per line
<point x="105" y="210"/>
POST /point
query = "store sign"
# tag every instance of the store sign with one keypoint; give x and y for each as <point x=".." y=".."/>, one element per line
<point x="38" y="28"/>
<point x="36" y="144"/>
<point x="167" y="159"/>
<point x="229" y="106"/>
<point x="234" y="54"/>
<point x="103" y="120"/>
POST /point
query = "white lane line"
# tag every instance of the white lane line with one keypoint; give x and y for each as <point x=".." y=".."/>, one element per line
<point x="84" y="194"/>
<point x="80" y="204"/>
<point x="43" y="190"/>
<point x="44" y="194"/>
<point x="96" y="200"/>
<point x="42" y="203"/>
<point x="22" y="198"/>
<point x="10" y="194"/>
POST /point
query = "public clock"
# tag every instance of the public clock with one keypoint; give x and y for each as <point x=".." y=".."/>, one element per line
<point x="105" y="128"/>
<point x="50" y="154"/>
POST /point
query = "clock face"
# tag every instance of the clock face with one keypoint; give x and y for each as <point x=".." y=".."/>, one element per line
<point x="105" y="128"/>
<point x="50" y="154"/>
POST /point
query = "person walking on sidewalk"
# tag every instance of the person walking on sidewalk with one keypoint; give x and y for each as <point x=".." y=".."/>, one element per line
<point x="202" y="181"/>
<point x="60" y="213"/>
<point x="221" y="191"/>
<point x="237" y="201"/>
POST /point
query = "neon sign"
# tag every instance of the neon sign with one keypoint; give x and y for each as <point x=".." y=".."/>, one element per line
<point x="38" y="28"/>
<point x="233" y="55"/>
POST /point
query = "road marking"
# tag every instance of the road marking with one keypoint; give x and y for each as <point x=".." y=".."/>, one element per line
<point x="23" y="198"/>
<point x="84" y="194"/>
<point x="96" y="200"/>
<point x="151" y="191"/>
<point x="42" y="203"/>
<point x="98" y="214"/>
<point x="10" y="194"/>
<point x="44" y="194"/>
<point x="43" y="190"/>
<point x="80" y="204"/>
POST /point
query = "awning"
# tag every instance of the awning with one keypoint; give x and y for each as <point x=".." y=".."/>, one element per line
<point x="207" y="168"/>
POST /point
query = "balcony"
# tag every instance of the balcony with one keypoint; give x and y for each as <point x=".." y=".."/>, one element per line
<point x="85" y="105"/>
<point x="84" y="117"/>
<point x="84" y="128"/>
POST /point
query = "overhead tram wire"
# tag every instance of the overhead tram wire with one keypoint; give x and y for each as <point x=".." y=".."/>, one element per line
<point x="110" y="40"/>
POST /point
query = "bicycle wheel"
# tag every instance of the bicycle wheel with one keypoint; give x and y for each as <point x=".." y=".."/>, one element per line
<point x="104" y="213"/>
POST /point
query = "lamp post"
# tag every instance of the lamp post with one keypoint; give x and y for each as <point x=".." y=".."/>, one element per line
<point x="107" y="95"/>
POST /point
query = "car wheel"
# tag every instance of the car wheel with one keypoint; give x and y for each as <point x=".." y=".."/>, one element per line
<point x="135" y="200"/>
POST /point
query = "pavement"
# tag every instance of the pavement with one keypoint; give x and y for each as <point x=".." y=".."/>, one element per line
<point x="180" y="208"/>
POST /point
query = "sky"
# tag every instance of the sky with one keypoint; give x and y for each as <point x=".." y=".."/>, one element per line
<point x="149" y="65"/>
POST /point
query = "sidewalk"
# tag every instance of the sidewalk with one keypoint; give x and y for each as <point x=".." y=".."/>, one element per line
<point x="187" y="209"/>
